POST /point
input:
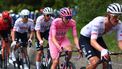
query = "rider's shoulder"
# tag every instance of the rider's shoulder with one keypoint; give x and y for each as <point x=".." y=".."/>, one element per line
<point x="30" y="20"/>
<point x="73" y="21"/>
<point x="99" y="18"/>
<point x="40" y="17"/>
<point x="57" y="19"/>
<point x="19" y="20"/>
<point x="119" y="23"/>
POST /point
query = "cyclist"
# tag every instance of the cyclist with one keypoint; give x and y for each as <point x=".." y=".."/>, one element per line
<point x="42" y="27"/>
<point x="91" y="41"/>
<point x="58" y="38"/>
<point x="5" y="30"/>
<point x="20" y="31"/>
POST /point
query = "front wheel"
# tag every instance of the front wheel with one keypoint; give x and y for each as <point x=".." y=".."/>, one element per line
<point x="27" y="61"/>
<point x="5" y="58"/>
<point x="49" y="63"/>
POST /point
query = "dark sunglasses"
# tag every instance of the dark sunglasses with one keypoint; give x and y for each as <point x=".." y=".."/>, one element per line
<point x="48" y="15"/>
<point x="25" y="16"/>
<point x="116" y="15"/>
<point x="68" y="17"/>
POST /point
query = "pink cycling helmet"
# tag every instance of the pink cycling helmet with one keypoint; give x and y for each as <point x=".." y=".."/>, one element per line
<point x="65" y="12"/>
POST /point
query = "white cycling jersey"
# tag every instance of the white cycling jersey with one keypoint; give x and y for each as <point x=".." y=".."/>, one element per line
<point x="96" y="28"/>
<point x="21" y="27"/>
<point x="42" y="25"/>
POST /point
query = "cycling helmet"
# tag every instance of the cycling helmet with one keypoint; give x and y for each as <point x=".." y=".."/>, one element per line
<point x="24" y="12"/>
<point x="5" y="14"/>
<point x="114" y="8"/>
<point x="47" y="10"/>
<point x="65" y="12"/>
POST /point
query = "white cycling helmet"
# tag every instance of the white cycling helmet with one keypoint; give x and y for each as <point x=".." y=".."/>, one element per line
<point x="114" y="8"/>
<point x="47" y="10"/>
<point x="24" y="12"/>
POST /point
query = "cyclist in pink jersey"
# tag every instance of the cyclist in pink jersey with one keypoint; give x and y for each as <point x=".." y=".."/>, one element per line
<point x="57" y="35"/>
<point x="91" y="41"/>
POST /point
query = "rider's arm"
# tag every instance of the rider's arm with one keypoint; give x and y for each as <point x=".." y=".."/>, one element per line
<point x="37" y="28"/>
<point x="14" y="30"/>
<point x="53" y="32"/>
<point x="13" y="35"/>
<point x="94" y="36"/>
<point x="96" y="45"/>
<point x="120" y="44"/>
<point x="38" y="35"/>
<point x="55" y="42"/>
<point x="74" y="32"/>
<point x="76" y="42"/>
<point x="119" y="35"/>
<point x="32" y="30"/>
<point x="31" y="34"/>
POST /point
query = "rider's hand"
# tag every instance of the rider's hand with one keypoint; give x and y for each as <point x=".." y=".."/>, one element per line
<point x="41" y="42"/>
<point x="104" y="54"/>
<point x="60" y="49"/>
<point x="80" y="52"/>
<point x="13" y="43"/>
<point x="29" y="40"/>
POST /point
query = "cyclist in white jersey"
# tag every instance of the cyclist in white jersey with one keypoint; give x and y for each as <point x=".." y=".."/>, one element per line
<point x="20" y="31"/>
<point x="91" y="41"/>
<point x="42" y="27"/>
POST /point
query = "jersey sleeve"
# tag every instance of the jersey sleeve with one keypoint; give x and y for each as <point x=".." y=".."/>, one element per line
<point x="119" y="32"/>
<point x="32" y="26"/>
<point x="53" y="28"/>
<point x="74" y="30"/>
<point x="37" y="26"/>
<point x="15" y="25"/>
<point x="95" y="28"/>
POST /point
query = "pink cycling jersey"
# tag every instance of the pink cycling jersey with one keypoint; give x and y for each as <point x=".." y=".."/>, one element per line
<point x="59" y="30"/>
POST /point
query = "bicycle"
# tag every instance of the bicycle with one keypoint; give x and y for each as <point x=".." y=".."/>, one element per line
<point x="109" y="62"/>
<point x="19" y="54"/>
<point x="46" y="60"/>
<point x="66" y="64"/>
<point x="0" y="54"/>
<point x="4" y="60"/>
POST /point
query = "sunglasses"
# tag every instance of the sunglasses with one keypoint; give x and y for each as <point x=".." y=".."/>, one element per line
<point x="48" y="15"/>
<point x="25" y="16"/>
<point x="68" y="17"/>
<point x="116" y="15"/>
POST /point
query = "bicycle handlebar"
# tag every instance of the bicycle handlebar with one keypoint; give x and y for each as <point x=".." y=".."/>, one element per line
<point x="65" y="52"/>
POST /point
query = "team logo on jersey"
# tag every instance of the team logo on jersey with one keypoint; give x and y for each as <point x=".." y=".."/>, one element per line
<point x="24" y="28"/>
